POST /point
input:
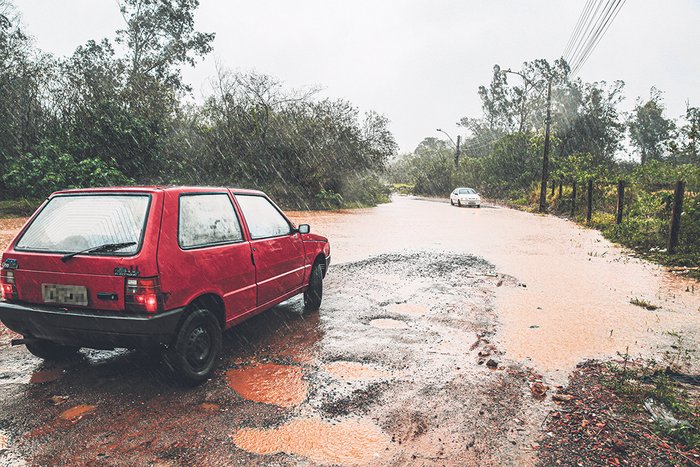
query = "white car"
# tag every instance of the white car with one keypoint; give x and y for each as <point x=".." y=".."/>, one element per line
<point x="465" y="197"/>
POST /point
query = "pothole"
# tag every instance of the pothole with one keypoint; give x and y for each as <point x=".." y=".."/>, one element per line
<point x="354" y="371"/>
<point x="269" y="383"/>
<point x="407" y="309"/>
<point x="77" y="412"/>
<point x="349" y="442"/>
<point x="388" y="323"/>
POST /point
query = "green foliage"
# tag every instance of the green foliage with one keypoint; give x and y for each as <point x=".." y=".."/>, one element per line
<point x="109" y="115"/>
<point x="649" y="130"/>
<point x="50" y="170"/>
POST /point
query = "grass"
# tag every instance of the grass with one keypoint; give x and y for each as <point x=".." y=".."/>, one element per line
<point x="23" y="207"/>
<point x="638" y="383"/>
<point x="644" y="304"/>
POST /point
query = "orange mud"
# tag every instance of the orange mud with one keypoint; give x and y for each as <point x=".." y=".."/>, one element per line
<point x="269" y="383"/>
<point x="349" y="442"/>
<point x="46" y="376"/>
<point x="209" y="407"/>
<point x="407" y="309"/>
<point x="8" y="229"/>
<point x="353" y="371"/>
<point x="388" y="323"/>
<point x="75" y="413"/>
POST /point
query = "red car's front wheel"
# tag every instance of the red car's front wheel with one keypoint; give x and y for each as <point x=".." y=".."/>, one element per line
<point x="314" y="294"/>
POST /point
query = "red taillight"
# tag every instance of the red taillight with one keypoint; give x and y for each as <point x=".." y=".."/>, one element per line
<point x="9" y="290"/>
<point x="143" y="294"/>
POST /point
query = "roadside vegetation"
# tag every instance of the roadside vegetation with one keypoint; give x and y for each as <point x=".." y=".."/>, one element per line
<point x="117" y="112"/>
<point x="629" y="411"/>
<point x="591" y="140"/>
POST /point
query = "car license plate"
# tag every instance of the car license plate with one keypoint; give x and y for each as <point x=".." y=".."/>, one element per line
<point x="65" y="294"/>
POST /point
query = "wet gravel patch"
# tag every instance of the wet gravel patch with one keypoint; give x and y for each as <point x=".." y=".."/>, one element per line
<point x="426" y="397"/>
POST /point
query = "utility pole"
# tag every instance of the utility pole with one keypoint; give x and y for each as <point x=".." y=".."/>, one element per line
<point x="459" y="140"/>
<point x="545" y="158"/>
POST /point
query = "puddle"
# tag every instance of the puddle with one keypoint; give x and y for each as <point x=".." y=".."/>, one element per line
<point x="75" y="413"/>
<point x="46" y="376"/>
<point x="354" y="371"/>
<point x="269" y="383"/>
<point x="388" y="323"/>
<point x="407" y="309"/>
<point x="349" y="442"/>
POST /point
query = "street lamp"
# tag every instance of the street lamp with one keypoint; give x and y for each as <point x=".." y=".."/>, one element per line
<point x="456" y="145"/>
<point x="545" y="157"/>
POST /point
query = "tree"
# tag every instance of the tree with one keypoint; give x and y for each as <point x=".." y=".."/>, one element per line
<point x="160" y="37"/>
<point x="649" y="130"/>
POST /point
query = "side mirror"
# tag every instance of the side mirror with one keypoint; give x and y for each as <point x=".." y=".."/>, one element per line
<point x="304" y="228"/>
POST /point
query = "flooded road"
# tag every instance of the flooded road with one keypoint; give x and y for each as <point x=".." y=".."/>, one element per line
<point x="576" y="287"/>
<point x="437" y="326"/>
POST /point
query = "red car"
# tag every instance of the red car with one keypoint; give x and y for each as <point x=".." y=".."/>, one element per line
<point x="144" y="267"/>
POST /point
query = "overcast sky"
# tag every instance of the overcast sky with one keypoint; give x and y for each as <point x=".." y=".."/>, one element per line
<point x="419" y="62"/>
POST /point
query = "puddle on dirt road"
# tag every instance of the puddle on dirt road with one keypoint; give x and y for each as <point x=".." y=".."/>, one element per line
<point x="354" y="371"/>
<point x="75" y="413"/>
<point x="46" y="376"/>
<point x="348" y="442"/>
<point x="407" y="309"/>
<point x="388" y="323"/>
<point x="269" y="383"/>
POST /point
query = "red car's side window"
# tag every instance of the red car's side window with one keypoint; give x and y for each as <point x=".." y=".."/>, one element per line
<point x="263" y="218"/>
<point x="207" y="219"/>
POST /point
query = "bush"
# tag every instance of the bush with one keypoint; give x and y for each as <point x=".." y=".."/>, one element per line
<point x="51" y="170"/>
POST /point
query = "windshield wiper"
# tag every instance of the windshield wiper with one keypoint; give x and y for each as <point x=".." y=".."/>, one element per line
<point x="99" y="248"/>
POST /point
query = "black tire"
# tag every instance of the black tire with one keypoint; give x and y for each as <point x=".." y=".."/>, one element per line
<point x="314" y="294"/>
<point x="452" y="203"/>
<point x="459" y="203"/>
<point x="193" y="354"/>
<point x="51" y="351"/>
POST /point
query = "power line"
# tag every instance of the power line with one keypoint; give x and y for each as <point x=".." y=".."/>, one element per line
<point x="590" y="25"/>
<point x="593" y="33"/>
<point x="574" y="34"/>
<point x="604" y="30"/>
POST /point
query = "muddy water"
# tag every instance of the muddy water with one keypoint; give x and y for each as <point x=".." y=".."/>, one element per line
<point x="349" y="442"/>
<point x="77" y="412"/>
<point x="354" y="371"/>
<point x="269" y="383"/>
<point x="574" y="299"/>
<point x="388" y="323"/>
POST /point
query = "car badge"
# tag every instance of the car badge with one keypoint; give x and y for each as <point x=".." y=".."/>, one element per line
<point x="127" y="272"/>
<point x="10" y="263"/>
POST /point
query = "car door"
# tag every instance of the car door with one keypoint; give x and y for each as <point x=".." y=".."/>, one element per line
<point x="208" y="253"/>
<point x="277" y="249"/>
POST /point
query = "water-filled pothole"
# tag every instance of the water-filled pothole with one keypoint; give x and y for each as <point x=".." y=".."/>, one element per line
<point x="269" y="383"/>
<point x="349" y="442"/>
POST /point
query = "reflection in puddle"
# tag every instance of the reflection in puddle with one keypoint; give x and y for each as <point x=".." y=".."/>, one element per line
<point x="74" y="413"/>
<point x="269" y="383"/>
<point x="348" y="442"/>
<point x="407" y="308"/>
<point x="354" y="371"/>
<point x="388" y="323"/>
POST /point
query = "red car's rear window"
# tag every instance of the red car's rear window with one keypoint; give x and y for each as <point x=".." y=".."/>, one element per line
<point x="70" y="223"/>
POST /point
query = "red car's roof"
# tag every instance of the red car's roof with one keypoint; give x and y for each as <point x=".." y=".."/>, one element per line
<point x="153" y="188"/>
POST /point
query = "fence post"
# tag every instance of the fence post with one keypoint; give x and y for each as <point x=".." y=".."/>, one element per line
<point x="553" y="185"/>
<point x="573" y="198"/>
<point x="676" y="217"/>
<point x="620" y="201"/>
<point x="560" y="187"/>
<point x="589" y="208"/>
